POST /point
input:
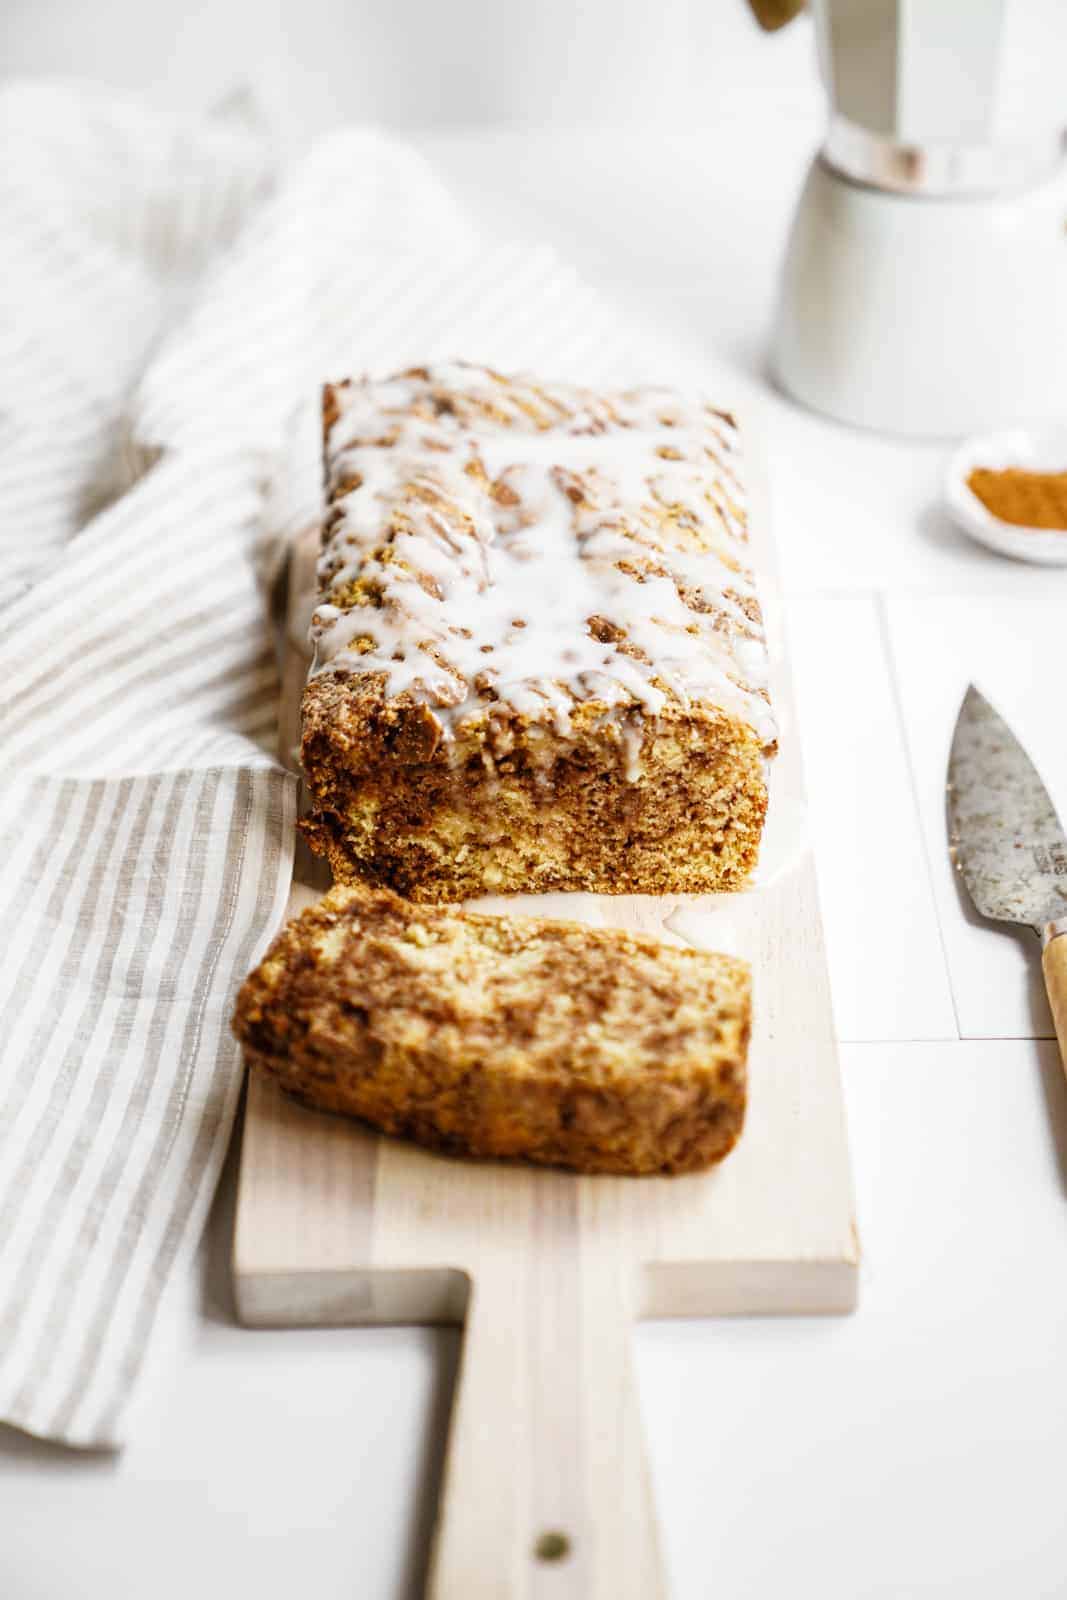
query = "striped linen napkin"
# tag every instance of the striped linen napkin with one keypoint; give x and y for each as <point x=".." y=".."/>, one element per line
<point x="169" y="306"/>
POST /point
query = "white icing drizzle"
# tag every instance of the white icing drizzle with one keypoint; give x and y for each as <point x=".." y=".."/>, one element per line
<point x="530" y="546"/>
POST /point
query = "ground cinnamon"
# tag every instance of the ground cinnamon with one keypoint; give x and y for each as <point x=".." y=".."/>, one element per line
<point x="1027" y="499"/>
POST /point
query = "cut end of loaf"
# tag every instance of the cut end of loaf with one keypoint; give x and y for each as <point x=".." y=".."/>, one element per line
<point x="674" y="807"/>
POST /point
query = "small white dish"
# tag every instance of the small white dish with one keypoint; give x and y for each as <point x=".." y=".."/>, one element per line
<point x="1035" y="450"/>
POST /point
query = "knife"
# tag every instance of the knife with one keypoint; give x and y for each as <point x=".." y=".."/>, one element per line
<point x="1006" y="840"/>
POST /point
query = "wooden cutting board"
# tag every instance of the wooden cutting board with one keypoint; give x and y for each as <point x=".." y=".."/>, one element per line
<point x="546" y="1492"/>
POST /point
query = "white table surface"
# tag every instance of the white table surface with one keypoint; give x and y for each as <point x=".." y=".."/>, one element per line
<point x="914" y="1449"/>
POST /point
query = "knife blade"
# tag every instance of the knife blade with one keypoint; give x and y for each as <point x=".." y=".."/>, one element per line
<point x="1006" y="841"/>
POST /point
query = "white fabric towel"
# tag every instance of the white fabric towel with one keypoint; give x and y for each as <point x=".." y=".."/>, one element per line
<point x="169" y="307"/>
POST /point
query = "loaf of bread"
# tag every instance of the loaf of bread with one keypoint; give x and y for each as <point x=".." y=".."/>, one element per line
<point x="504" y="1036"/>
<point x="539" y="657"/>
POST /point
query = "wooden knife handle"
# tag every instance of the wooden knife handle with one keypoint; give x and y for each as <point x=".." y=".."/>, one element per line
<point x="1054" y="963"/>
<point x="546" y="1494"/>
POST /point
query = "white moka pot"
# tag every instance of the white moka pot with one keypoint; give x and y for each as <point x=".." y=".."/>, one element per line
<point x="924" y="289"/>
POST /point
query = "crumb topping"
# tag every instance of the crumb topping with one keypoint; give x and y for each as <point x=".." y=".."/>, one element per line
<point x="503" y="543"/>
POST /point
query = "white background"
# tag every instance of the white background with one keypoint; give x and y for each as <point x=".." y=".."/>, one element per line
<point x="917" y="1448"/>
<point x="417" y="63"/>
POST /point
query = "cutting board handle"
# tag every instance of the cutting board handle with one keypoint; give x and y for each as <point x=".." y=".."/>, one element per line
<point x="546" y="1492"/>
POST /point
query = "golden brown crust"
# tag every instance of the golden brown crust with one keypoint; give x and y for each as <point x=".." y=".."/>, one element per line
<point x="504" y="1037"/>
